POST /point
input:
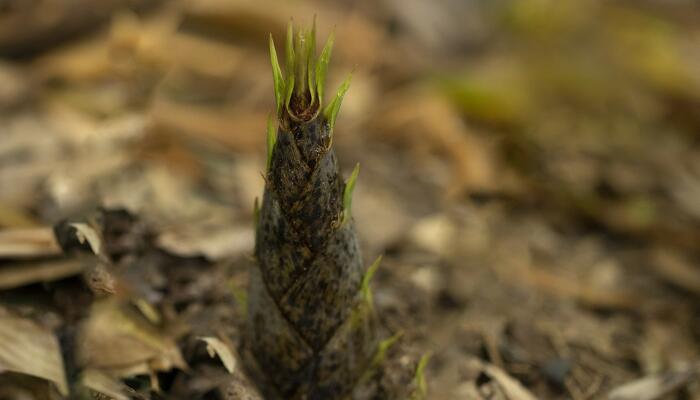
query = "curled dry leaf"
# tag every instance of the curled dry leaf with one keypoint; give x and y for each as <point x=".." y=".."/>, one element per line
<point x="30" y="349"/>
<point x="119" y="341"/>
<point x="86" y="233"/>
<point x="217" y="347"/>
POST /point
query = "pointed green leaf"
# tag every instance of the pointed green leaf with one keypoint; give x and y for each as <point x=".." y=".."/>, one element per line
<point x="366" y="291"/>
<point x="322" y="66"/>
<point x="331" y="110"/>
<point x="379" y="356"/>
<point x="256" y="214"/>
<point x="290" y="91"/>
<point x="289" y="49"/>
<point x="277" y="77"/>
<point x="271" y="140"/>
<point x="301" y="52"/>
<point x="241" y="297"/>
<point x="421" y="390"/>
<point x="311" y="61"/>
<point x="347" y="193"/>
<point x="289" y="83"/>
<point x="383" y="347"/>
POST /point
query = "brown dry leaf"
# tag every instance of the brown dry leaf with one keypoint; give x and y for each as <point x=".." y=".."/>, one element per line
<point x="217" y="347"/>
<point x="81" y="61"/>
<point x="663" y="349"/>
<point x="213" y="242"/>
<point x="500" y="384"/>
<point x="20" y="274"/>
<point x="675" y="269"/>
<point x="381" y="216"/>
<point x="428" y="123"/>
<point x="365" y="42"/>
<point x="241" y="388"/>
<point x="12" y="216"/>
<point x="237" y="129"/>
<point x="14" y="86"/>
<point x="161" y="195"/>
<point x="210" y="58"/>
<point x="30" y="151"/>
<point x="30" y="349"/>
<point x="72" y="185"/>
<point x="28" y="27"/>
<point x="655" y="386"/>
<point x="30" y="242"/>
<point x="590" y="294"/>
<point x="435" y="233"/>
<point x="103" y="383"/>
<point x="14" y="386"/>
<point x="117" y="340"/>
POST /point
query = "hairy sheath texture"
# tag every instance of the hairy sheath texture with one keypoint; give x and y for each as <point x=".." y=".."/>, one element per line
<point x="309" y="327"/>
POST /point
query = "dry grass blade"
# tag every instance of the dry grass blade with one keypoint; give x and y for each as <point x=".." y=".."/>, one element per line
<point x="20" y="274"/>
<point x="29" y="242"/>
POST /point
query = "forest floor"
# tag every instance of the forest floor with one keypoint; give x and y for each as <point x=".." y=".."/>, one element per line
<point x="530" y="171"/>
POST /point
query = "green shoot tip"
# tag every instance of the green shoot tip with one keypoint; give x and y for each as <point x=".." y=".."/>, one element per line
<point x="384" y="347"/>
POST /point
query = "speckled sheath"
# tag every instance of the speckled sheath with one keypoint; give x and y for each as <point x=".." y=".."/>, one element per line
<point x="309" y="329"/>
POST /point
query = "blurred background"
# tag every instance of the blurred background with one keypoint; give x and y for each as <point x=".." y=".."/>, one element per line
<point x="530" y="169"/>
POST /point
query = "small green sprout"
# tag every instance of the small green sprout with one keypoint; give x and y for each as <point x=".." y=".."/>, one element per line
<point x="366" y="290"/>
<point x="271" y="140"/>
<point x="421" y="390"/>
<point x="384" y="347"/>
<point x="256" y="214"/>
<point x="347" y="194"/>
